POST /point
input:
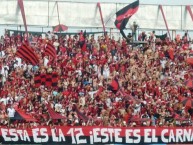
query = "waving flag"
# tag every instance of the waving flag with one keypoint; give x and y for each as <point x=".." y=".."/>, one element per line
<point x="21" y="115"/>
<point x="123" y="16"/>
<point x="27" y="54"/>
<point x="53" y="114"/>
<point x="80" y="114"/>
<point x="162" y="37"/>
<point x="114" y="86"/>
<point x="50" y="50"/>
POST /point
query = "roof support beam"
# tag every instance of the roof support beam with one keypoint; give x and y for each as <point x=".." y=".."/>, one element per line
<point x="165" y="21"/>
<point x="188" y="8"/>
<point x="58" y="13"/>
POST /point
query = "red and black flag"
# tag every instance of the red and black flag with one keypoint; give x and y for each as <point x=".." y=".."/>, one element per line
<point x="43" y="78"/>
<point x="27" y="54"/>
<point x="114" y="86"/>
<point x="50" y="50"/>
<point x="21" y="115"/>
<point x="53" y="114"/>
<point x="48" y="82"/>
<point x="80" y="114"/>
<point x="46" y="79"/>
<point x="123" y="16"/>
<point x="37" y="80"/>
<point x="60" y="28"/>
<point x="55" y="79"/>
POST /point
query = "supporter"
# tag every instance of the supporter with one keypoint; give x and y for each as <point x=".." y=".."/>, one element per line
<point x="108" y="84"/>
<point x="11" y="114"/>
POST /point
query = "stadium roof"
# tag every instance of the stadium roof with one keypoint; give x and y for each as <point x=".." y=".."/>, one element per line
<point x="149" y="2"/>
<point x="155" y="2"/>
<point x="73" y="14"/>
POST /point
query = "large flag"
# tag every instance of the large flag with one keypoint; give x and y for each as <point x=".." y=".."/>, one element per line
<point x="21" y="115"/>
<point x="46" y="79"/>
<point x="27" y="54"/>
<point x="50" y="50"/>
<point x="123" y="16"/>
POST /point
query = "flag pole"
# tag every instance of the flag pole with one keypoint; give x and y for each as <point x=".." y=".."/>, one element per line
<point x="101" y="15"/>
<point x="20" y="2"/>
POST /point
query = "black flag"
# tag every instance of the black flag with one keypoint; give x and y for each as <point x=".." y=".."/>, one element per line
<point x="123" y="16"/>
<point x="162" y="37"/>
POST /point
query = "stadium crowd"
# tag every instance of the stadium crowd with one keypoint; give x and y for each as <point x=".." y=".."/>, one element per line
<point x="151" y="82"/>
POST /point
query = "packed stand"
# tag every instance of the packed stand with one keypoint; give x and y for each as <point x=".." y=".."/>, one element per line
<point x="149" y="91"/>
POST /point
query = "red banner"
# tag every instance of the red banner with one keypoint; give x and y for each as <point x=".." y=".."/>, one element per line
<point x="96" y="135"/>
